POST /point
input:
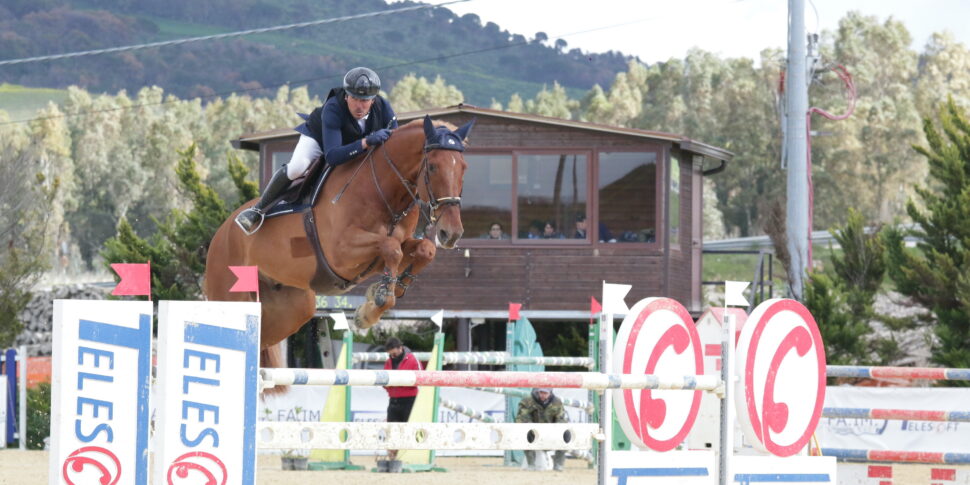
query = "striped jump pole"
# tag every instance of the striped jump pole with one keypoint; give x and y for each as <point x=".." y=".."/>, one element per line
<point x="874" y="372"/>
<point x="272" y="377"/>
<point x="522" y="394"/>
<point x="907" y="414"/>
<point x="485" y="358"/>
<point x="467" y="411"/>
<point x="928" y="457"/>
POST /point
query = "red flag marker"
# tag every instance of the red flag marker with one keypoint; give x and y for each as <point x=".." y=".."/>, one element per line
<point x="594" y="306"/>
<point x="514" y="310"/>
<point x="248" y="279"/>
<point x="136" y="279"/>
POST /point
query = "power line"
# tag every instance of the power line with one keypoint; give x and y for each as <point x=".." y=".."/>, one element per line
<point x="319" y="78"/>
<point x="222" y="36"/>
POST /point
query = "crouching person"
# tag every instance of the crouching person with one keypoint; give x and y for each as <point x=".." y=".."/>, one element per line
<point x="542" y="407"/>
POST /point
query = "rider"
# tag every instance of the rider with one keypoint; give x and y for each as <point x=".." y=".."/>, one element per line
<point x="354" y="118"/>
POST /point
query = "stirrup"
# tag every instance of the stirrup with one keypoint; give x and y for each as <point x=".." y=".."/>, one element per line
<point x="254" y="229"/>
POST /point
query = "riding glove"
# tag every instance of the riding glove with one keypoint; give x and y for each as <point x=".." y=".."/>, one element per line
<point x="378" y="137"/>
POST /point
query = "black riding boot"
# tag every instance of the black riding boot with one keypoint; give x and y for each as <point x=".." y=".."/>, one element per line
<point x="250" y="220"/>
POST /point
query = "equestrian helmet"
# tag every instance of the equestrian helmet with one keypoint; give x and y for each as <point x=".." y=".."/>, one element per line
<point x="362" y="83"/>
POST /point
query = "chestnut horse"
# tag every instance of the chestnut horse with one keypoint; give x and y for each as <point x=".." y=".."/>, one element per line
<point x="363" y="223"/>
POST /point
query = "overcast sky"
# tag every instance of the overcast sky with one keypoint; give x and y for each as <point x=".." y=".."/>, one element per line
<point x="658" y="30"/>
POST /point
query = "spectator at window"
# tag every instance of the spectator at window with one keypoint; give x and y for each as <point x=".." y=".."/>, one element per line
<point x="580" y="227"/>
<point x="605" y="234"/>
<point x="495" y="231"/>
<point x="549" y="231"/>
<point x="535" y="230"/>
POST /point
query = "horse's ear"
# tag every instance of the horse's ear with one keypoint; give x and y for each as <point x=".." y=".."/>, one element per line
<point x="463" y="131"/>
<point x="429" y="132"/>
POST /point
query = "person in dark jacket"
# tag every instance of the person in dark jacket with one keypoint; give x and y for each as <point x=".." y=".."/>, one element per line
<point x="401" y="398"/>
<point x="353" y="118"/>
<point x="542" y="406"/>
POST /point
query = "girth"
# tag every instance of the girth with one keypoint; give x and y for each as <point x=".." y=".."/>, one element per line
<point x="325" y="281"/>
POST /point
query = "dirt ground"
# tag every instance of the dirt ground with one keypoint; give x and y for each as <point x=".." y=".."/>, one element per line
<point x="30" y="468"/>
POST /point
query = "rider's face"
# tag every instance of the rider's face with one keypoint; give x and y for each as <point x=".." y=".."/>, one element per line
<point x="359" y="107"/>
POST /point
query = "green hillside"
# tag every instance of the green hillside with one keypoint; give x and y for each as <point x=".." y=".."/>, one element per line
<point x="483" y="61"/>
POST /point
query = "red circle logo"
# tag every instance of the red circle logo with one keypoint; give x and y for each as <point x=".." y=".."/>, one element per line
<point x="781" y="369"/>
<point x="658" y="333"/>
<point x="207" y="467"/>
<point x="102" y="461"/>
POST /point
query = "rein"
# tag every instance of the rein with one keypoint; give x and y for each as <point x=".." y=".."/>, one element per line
<point x="434" y="204"/>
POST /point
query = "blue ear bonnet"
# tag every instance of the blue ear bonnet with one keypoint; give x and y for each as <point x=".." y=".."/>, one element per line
<point x="442" y="138"/>
<point x="445" y="140"/>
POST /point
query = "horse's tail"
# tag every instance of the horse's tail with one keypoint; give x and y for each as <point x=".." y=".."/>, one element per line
<point x="273" y="357"/>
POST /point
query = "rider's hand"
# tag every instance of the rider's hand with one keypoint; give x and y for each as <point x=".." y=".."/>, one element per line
<point x="378" y="137"/>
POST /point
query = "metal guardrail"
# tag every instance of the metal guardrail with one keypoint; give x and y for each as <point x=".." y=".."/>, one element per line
<point x="760" y="285"/>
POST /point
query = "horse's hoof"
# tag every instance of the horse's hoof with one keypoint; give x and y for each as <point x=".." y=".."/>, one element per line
<point x="361" y="322"/>
<point x="353" y="326"/>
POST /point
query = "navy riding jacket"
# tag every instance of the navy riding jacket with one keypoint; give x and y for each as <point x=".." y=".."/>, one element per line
<point x="337" y="131"/>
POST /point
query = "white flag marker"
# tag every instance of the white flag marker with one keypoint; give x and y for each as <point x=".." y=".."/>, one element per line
<point x="339" y="321"/>
<point x="734" y="293"/>
<point x="438" y="317"/>
<point x="613" y="298"/>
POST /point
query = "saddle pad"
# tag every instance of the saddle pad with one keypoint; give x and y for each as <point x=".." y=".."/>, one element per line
<point x="303" y="194"/>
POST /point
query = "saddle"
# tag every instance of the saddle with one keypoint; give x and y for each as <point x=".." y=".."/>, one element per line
<point x="300" y="197"/>
<point x="302" y="193"/>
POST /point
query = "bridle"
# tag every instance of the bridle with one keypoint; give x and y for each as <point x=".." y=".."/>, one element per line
<point x="434" y="204"/>
<point x="440" y="202"/>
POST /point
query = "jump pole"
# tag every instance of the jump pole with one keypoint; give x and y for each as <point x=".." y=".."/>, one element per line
<point x="272" y="377"/>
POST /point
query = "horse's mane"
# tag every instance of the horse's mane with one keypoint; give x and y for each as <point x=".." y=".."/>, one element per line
<point x="419" y="123"/>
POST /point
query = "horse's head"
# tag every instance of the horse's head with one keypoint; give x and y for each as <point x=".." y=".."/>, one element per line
<point x="443" y="179"/>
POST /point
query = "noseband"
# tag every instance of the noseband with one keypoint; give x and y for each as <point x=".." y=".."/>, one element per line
<point x="434" y="203"/>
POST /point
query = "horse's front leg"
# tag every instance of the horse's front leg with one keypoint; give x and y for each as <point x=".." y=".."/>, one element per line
<point x="418" y="253"/>
<point x="381" y="295"/>
<point x="384" y="290"/>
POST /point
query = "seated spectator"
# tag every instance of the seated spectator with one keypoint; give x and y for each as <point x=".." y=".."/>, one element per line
<point x="535" y="230"/>
<point x="580" y="227"/>
<point x="605" y="234"/>
<point x="549" y="231"/>
<point x="495" y="231"/>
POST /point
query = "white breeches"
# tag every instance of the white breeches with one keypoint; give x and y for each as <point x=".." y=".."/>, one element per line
<point x="307" y="150"/>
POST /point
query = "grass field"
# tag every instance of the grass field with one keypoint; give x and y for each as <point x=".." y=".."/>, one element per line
<point x="22" y="102"/>
<point x="741" y="267"/>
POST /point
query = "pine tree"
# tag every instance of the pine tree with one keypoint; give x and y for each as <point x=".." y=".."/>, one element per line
<point x="937" y="274"/>
<point x="178" y="249"/>
<point x="841" y="299"/>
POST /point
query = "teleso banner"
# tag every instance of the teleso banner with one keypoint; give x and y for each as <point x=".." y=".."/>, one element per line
<point x="208" y="365"/>
<point x="101" y="376"/>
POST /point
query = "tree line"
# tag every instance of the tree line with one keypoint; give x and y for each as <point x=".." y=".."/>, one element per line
<point x="481" y="57"/>
<point x="80" y="168"/>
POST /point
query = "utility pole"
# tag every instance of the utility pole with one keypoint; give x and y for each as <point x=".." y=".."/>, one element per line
<point x="796" y="99"/>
